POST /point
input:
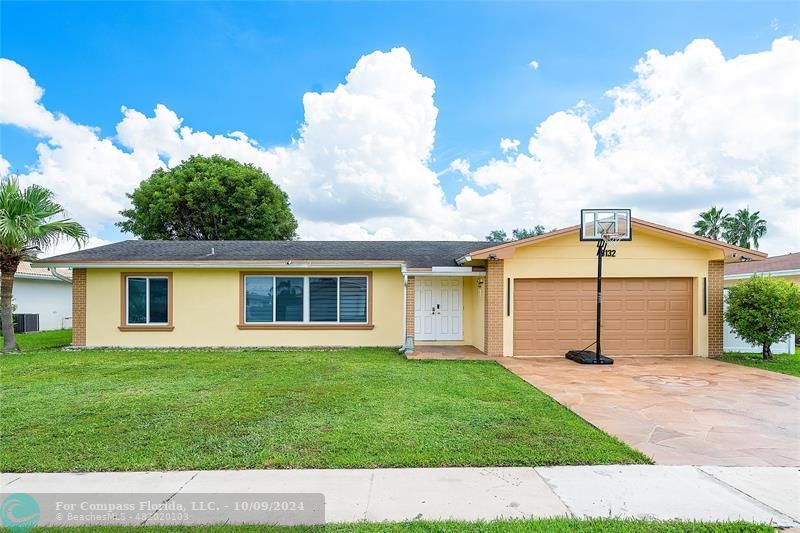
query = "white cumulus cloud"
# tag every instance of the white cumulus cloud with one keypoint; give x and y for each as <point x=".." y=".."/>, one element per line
<point x="461" y="166"/>
<point x="690" y="129"/>
<point x="534" y="65"/>
<point x="509" y="145"/>
<point x="5" y="167"/>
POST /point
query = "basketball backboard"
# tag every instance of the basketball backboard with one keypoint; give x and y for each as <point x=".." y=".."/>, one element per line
<point x="599" y="224"/>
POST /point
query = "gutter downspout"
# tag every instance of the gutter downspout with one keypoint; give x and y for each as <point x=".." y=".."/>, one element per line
<point x="59" y="276"/>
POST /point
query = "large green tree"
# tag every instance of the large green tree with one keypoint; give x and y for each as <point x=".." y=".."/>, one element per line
<point x="711" y="223"/>
<point x="209" y="198"/>
<point x="28" y="224"/>
<point x="744" y="228"/>
<point x="763" y="310"/>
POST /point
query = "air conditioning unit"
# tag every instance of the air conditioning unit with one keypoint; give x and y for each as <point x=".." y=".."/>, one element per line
<point x="26" y="322"/>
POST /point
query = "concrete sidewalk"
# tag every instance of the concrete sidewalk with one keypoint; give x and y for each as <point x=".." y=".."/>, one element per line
<point x="758" y="494"/>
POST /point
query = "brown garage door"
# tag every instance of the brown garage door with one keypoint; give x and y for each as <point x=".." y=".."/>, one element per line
<point x="641" y="316"/>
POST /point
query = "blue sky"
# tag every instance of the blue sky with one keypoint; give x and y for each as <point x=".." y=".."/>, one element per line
<point x="246" y="65"/>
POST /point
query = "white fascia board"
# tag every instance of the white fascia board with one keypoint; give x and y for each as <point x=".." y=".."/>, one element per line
<point x="427" y="274"/>
<point x="451" y="269"/>
<point x="774" y="273"/>
<point x="38" y="277"/>
<point x="261" y="266"/>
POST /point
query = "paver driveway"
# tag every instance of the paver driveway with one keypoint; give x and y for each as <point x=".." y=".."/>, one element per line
<point x="680" y="410"/>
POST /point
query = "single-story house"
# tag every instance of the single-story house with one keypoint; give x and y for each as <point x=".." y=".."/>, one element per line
<point x="45" y="294"/>
<point x="531" y="297"/>
<point x="785" y="267"/>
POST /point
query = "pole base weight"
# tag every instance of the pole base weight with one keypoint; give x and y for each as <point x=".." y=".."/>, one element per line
<point x="586" y="357"/>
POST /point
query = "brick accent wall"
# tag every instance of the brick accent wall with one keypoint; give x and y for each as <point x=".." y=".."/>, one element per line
<point x="79" y="307"/>
<point x="716" y="270"/>
<point x="411" y="297"/>
<point x="493" y="308"/>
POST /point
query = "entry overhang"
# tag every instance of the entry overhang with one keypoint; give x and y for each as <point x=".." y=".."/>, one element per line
<point x="447" y="271"/>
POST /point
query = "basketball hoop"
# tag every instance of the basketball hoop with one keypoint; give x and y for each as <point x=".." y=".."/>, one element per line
<point x="607" y="227"/>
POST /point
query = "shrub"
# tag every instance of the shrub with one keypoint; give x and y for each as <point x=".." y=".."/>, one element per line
<point x="763" y="310"/>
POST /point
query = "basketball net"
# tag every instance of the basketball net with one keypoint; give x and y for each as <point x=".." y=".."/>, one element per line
<point x="612" y="239"/>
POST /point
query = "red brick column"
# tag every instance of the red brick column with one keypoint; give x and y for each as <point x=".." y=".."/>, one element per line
<point x="79" y="307"/>
<point x="493" y="309"/>
<point x="716" y="270"/>
<point x="411" y="298"/>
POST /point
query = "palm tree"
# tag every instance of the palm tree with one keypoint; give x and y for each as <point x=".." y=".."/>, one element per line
<point x="711" y="223"/>
<point x="27" y="226"/>
<point x="744" y="227"/>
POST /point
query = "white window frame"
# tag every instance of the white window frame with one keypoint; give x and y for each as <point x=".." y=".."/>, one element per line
<point x="306" y="298"/>
<point x="147" y="321"/>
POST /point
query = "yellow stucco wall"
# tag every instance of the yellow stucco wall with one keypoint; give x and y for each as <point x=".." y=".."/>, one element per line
<point x="206" y="301"/>
<point x="472" y="312"/>
<point x="206" y="313"/>
<point x="476" y="287"/>
<point x="649" y="254"/>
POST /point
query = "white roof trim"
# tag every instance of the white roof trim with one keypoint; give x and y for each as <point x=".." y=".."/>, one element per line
<point x="774" y="273"/>
<point x="447" y="274"/>
<point x="40" y="277"/>
<point x="288" y="265"/>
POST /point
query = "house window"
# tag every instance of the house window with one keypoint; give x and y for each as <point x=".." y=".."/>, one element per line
<point x="305" y="299"/>
<point x="147" y="301"/>
<point x="352" y="299"/>
<point x="258" y="305"/>
<point x="323" y="294"/>
<point x="289" y="299"/>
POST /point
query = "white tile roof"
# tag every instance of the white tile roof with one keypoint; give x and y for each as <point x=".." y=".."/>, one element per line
<point x="25" y="270"/>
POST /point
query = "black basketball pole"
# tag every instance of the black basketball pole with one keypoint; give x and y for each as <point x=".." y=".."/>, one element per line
<point x="601" y="251"/>
<point x="586" y="356"/>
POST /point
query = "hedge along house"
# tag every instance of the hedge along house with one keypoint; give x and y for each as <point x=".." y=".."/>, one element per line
<point x="532" y="297"/>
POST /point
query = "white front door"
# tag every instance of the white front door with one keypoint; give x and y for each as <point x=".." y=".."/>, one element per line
<point x="438" y="309"/>
<point x="424" y="309"/>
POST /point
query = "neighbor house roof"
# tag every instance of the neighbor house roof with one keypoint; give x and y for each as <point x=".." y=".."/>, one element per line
<point x="26" y="271"/>
<point x="415" y="254"/>
<point x="789" y="263"/>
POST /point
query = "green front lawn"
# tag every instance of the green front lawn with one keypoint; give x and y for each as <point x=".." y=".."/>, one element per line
<point x="785" y="364"/>
<point x="554" y="525"/>
<point x="43" y="340"/>
<point x="165" y="410"/>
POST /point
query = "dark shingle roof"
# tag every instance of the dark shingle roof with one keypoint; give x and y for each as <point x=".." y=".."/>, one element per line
<point x="417" y="254"/>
